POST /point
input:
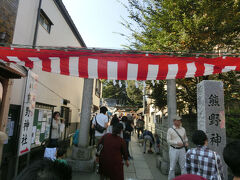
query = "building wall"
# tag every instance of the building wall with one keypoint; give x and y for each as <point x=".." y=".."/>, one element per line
<point x="96" y="99"/>
<point x="61" y="34"/>
<point x="25" y="22"/>
<point x="70" y="88"/>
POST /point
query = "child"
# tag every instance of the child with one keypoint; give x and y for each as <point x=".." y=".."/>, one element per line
<point x="75" y="138"/>
<point x="60" y="153"/>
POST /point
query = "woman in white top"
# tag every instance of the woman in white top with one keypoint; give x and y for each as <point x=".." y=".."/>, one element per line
<point x="114" y="121"/>
<point x="55" y="132"/>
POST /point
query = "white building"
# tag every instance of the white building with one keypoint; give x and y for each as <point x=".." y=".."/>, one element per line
<point x="54" y="92"/>
<point x="57" y="29"/>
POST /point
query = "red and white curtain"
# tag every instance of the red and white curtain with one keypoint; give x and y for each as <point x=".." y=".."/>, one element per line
<point x="117" y="66"/>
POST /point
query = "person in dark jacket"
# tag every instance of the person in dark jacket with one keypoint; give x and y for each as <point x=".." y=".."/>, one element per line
<point x="112" y="155"/>
<point x="127" y="133"/>
<point x="148" y="136"/>
<point x="91" y="133"/>
<point x="140" y="126"/>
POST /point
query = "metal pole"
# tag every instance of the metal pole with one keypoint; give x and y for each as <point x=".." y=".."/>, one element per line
<point x="36" y="26"/>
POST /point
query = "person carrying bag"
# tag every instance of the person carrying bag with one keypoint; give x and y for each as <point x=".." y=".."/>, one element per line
<point x="184" y="144"/>
<point x="98" y="127"/>
<point x="100" y="124"/>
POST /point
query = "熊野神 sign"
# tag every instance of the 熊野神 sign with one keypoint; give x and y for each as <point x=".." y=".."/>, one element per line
<point x="101" y="64"/>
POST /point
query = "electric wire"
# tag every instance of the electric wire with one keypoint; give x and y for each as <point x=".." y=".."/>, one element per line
<point x="41" y="83"/>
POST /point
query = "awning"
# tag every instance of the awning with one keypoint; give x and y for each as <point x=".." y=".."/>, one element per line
<point x="118" y="65"/>
<point x="12" y="71"/>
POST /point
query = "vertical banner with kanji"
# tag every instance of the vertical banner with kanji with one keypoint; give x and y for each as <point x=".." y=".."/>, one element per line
<point x="28" y="114"/>
<point x="211" y="116"/>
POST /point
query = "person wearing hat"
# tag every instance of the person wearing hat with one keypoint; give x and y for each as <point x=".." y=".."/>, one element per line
<point x="178" y="141"/>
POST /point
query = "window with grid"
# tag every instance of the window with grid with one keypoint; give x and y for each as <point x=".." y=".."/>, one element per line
<point x="45" y="21"/>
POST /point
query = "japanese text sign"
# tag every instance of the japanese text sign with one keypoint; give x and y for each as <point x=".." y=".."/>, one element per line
<point x="28" y="114"/>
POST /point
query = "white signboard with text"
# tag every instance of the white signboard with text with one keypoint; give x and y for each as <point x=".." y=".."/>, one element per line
<point x="25" y="138"/>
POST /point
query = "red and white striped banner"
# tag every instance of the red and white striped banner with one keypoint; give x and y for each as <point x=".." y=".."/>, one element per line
<point x="118" y="66"/>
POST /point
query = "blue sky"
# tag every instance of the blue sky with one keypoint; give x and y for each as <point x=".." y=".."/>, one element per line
<point x="98" y="22"/>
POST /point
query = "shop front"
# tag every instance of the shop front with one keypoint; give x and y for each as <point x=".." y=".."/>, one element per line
<point x="9" y="118"/>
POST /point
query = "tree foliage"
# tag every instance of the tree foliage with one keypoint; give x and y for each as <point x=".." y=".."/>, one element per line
<point x="130" y="95"/>
<point x="135" y="94"/>
<point x="158" y="93"/>
<point x="115" y="92"/>
<point x="176" y="25"/>
<point x="187" y="26"/>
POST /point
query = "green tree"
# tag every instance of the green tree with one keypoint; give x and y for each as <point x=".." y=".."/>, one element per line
<point x="176" y="25"/>
<point x="135" y="94"/>
<point x="130" y="96"/>
<point x="158" y="94"/>
<point x="187" y="26"/>
<point x="115" y="92"/>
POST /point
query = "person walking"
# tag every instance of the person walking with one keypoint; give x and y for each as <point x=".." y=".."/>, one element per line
<point x="140" y="125"/>
<point x="102" y="120"/>
<point x="55" y="131"/>
<point x="123" y="122"/>
<point x="114" y="121"/>
<point x="127" y="133"/>
<point x="178" y="141"/>
<point x="134" y="123"/>
<point x="201" y="160"/>
<point x="112" y="155"/>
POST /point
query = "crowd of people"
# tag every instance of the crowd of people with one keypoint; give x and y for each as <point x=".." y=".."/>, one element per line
<point x="199" y="163"/>
<point x="112" y="141"/>
<point x="195" y="163"/>
<point x="112" y="135"/>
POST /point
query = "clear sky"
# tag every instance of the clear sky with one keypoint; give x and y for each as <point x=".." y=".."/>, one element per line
<point x="98" y="22"/>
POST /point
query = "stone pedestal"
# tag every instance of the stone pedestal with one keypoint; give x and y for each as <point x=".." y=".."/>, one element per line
<point x="82" y="166"/>
<point x="162" y="165"/>
<point x="82" y="153"/>
<point x="82" y="159"/>
<point x="211" y="117"/>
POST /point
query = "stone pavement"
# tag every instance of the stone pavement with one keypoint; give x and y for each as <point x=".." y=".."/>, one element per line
<point x="142" y="167"/>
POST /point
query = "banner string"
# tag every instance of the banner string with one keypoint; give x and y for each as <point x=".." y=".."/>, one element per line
<point x="116" y="51"/>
